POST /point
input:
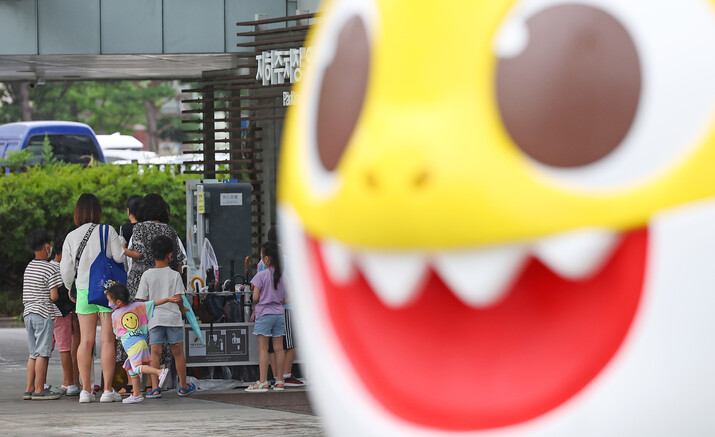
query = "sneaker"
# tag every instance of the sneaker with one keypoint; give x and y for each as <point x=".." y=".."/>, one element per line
<point x="154" y="394"/>
<point x="272" y="382"/>
<point x="110" y="396"/>
<point x="162" y="377"/>
<point x="133" y="399"/>
<point x="86" y="397"/>
<point x="27" y="396"/>
<point x="292" y="381"/>
<point x="188" y="390"/>
<point x="45" y="395"/>
<point x="72" y="390"/>
<point x="55" y="390"/>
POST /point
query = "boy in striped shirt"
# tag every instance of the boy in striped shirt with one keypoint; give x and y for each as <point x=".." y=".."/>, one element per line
<point x="39" y="289"/>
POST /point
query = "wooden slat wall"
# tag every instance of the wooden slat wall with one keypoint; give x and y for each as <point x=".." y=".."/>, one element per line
<point x="227" y="112"/>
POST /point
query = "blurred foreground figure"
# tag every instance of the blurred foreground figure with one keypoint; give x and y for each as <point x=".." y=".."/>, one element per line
<point x="499" y="217"/>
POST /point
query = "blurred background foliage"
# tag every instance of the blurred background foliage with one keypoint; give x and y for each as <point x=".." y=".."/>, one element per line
<point x="45" y="197"/>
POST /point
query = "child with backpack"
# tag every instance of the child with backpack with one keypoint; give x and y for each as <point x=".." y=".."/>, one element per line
<point x="167" y="325"/>
<point x="130" y="321"/>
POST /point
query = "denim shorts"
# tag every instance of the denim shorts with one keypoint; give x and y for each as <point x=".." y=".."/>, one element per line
<point x="166" y="334"/>
<point x="270" y="325"/>
<point x="39" y="335"/>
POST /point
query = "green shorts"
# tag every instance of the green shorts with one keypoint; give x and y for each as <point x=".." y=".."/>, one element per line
<point x="84" y="307"/>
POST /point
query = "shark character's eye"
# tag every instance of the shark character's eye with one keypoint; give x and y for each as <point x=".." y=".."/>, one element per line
<point x="342" y="92"/>
<point x="338" y="87"/>
<point x="570" y="97"/>
<point x="604" y="93"/>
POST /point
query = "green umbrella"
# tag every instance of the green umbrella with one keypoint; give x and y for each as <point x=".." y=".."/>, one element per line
<point x="191" y="318"/>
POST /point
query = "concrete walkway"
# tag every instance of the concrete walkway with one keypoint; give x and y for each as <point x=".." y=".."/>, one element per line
<point x="195" y="415"/>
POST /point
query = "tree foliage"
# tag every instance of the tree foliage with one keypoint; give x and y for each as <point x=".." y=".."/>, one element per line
<point x="45" y="197"/>
<point x="15" y="161"/>
<point x="108" y="106"/>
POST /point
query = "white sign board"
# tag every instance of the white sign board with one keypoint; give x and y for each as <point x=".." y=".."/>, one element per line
<point x="231" y="199"/>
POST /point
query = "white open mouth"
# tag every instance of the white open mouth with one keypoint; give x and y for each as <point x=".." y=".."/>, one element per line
<point x="479" y="277"/>
<point x="638" y="386"/>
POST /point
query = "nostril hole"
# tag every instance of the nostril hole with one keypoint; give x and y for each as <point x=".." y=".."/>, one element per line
<point x="421" y="179"/>
<point x="371" y="180"/>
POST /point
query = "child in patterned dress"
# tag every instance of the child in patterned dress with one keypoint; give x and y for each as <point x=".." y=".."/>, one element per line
<point x="130" y="321"/>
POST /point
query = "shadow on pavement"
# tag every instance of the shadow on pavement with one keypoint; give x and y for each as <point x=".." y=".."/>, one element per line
<point x="290" y="401"/>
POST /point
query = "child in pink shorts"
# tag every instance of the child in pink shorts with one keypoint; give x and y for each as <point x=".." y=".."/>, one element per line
<point x="66" y="332"/>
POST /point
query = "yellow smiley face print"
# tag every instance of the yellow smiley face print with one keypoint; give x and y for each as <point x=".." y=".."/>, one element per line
<point x="130" y="321"/>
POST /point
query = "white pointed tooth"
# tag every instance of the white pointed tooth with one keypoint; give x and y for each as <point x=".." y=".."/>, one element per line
<point x="481" y="277"/>
<point x="577" y="254"/>
<point x="337" y="260"/>
<point x="394" y="277"/>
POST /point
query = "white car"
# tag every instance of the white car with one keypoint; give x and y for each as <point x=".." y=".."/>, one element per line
<point x="124" y="149"/>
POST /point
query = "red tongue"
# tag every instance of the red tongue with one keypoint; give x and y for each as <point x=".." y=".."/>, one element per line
<point x="439" y="363"/>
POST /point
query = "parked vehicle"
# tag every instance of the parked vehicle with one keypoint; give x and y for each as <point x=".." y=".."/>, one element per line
<point x="71" y="142"/>
<point x="124" y="149"/>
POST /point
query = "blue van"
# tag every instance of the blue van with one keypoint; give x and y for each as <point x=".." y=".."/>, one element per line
<point x="73" y="143"/>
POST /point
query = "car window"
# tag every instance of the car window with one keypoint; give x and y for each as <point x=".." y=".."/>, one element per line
<point x="70" y="148"/>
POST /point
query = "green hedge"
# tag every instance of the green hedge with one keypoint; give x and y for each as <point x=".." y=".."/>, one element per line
<point x="44" y="197"/>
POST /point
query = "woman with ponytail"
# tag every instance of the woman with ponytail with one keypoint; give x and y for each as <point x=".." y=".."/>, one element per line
<point x="269" y="296"/>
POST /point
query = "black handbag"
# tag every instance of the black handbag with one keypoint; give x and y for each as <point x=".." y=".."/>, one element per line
<point x="63" y="302"/>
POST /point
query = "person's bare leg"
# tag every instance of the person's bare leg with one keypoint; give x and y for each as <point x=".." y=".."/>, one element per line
<point x="73" y="351"/>
<point x="290" y="357"/>
<point x="109" y="353"/>
<point x="134" y="381"/>
<point x="263" y="358"/>
<point x="280" y="356"/>
<point x="40" y="373"/>
<point x="67" y="371"/>
<point x="177" y="350"/>
<point x="30" y="375"/>
<point x="88" y="330"/>
<point x="155" y="363"/>
<point x="273" y="364"/>
<point x="149" y="370"/>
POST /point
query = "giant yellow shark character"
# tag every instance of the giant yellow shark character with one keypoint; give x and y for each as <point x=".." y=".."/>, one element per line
<point x="499" y="217"/>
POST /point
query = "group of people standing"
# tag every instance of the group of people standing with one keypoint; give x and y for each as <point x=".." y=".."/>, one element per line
<point x="146" y="314"/>
<point x="44" y="282"/>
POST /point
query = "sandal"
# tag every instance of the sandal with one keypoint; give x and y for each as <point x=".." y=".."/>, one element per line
<point x="154" y="394"/>
<point x="185" y="391"/>
<point x="258" y="387"/>
<point x="279" y="385"/>
<point x="126" y="390"/>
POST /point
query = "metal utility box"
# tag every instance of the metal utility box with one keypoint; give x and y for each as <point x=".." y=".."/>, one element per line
<point x="220" y="212"/>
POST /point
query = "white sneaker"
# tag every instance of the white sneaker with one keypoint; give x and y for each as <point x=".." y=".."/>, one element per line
<point x="72" y="390"/>
<point x="162" y="377"/>
<point x="110" y="396"/>
<point x="133" y="399"/>
<point x="86" y="397"/>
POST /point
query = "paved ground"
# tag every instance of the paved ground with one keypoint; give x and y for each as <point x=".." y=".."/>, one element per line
<point x="216" y="413"/>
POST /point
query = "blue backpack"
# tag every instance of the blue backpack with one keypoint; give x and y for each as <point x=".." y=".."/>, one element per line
<point x="104" y="272"/>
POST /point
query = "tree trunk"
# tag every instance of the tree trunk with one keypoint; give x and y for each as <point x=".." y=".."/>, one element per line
<point x="152" y="130"/>
<point x="25" y="101"/>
